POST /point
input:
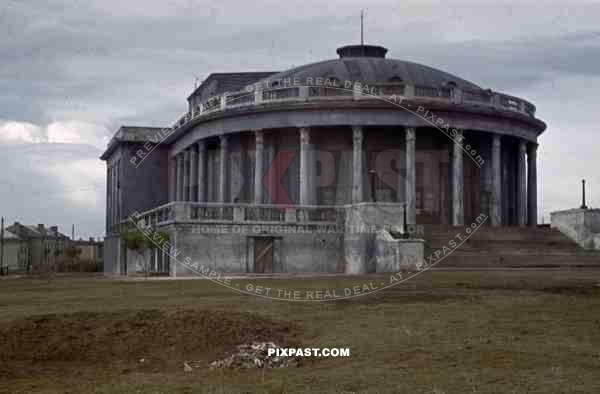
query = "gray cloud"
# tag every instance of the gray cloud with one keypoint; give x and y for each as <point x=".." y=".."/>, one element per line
<point x="86" y="67"/>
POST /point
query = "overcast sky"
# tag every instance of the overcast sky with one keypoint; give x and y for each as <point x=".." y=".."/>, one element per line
<point x="71" y="72"/>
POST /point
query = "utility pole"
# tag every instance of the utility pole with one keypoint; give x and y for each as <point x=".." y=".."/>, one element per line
<point x="2" y="247"/>
<point x="73" y="233"/>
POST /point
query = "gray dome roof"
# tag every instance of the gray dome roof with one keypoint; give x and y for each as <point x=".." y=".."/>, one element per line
<point x="370" y="66"/>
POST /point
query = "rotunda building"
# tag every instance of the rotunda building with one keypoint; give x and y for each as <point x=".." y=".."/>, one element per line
<point x="292" y="147"/>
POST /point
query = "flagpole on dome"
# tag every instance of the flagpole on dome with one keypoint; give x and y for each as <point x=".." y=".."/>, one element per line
<point x="362" y="30"/>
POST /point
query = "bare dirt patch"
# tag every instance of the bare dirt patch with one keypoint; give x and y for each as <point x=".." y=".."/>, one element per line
<point x="126" y="342"/>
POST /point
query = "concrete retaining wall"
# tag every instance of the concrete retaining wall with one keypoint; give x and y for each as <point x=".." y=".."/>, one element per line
<point x="581" y="225"/>
<point x="395" y="255"/>
<point x="229" y="251"/>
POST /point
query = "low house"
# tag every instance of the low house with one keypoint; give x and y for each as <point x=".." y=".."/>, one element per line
<point x="15" y="253"/>
<point x="91" y="250"/>
<point x="45" y="245"/>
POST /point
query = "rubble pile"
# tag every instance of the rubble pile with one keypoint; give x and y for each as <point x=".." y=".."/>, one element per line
<point x="255" y="355"/>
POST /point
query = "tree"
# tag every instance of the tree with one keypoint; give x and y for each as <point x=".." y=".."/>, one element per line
<point x="72" y="252"/>
<point x="141" y="243"/>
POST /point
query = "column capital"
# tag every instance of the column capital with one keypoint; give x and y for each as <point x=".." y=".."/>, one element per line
<point x="522" y="146"/>
<point x="357" y="134"/>
<point x="459" y="136"/>
<point x="304" y="135"/>
<point x="411" y="133"/>
<point x="201" y="146"/>
<point x="496" y="140"/>
<point x="224" y="139"/>
<point x="532" y="147"/>
<point x="259" y="135"/>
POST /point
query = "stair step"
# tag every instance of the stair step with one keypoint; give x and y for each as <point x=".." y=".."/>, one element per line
<point x="508" y="247"/>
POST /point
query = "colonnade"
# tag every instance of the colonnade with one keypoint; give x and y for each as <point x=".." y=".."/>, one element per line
<point x="188" y="175"/>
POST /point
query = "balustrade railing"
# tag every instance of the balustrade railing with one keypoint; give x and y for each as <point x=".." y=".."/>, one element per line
<point x="240" y="98"/>
<point x="263" y="213"/>
<point x="302" y="93"/>
<point x="210" y="212"/>
<point x="238" y="213"/>
<point x="477" y="96"/>
<point x="391" y="89"/>
<point x="281" y="93"/>
<point x="323" y="91"/>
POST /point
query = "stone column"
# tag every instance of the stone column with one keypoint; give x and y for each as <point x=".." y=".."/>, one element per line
<point x="357" y="164"/>
<point x="117" y="200"/>
<point x="532" y="185"/>
<point x="223" y="173"/>
<point x="193" y="196"/>
<point x="522" y="184"/>
<point x="458" y="215"/>
<point x="202" y="171"/>
<point x="179" y="177"/>
<point x="259" y="166"/>
<point x="305" y="164"/>
<point x="186" y="175"/>
<point x="496" y="201"/>
<point x="172" y="179"/>
<point x="410" y="188"/>
<point x="114" y="194"/>
<point x="109" y="211"/>
<point x="108" y="201"/>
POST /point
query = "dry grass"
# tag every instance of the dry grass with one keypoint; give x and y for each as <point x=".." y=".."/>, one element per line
<point x="441" y="332"/>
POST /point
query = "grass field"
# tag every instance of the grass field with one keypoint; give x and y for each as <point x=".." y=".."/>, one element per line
<point x="440" y="332"/>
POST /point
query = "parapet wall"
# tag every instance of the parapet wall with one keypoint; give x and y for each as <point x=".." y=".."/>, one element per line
<point x="581" y="225"/>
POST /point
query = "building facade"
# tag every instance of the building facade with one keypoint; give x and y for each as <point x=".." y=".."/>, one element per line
<point x="326" y="143"/>
<point x="39" y="247"/>
<point x="15" y="253"/>
<point x="90" y="250"/>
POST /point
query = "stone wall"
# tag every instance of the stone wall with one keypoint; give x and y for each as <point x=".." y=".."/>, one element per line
<point x="112" y="255"/>
<point x="581" y="225"/>
<point x="226" y="249"/>
<point x="146" y="186"/>
<point x="394" y="255"/>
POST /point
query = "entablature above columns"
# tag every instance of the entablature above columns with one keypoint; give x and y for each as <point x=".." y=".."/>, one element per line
<point x="365" y="117"/>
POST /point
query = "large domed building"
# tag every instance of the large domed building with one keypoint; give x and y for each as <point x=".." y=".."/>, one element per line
<point x="300" y="148"/>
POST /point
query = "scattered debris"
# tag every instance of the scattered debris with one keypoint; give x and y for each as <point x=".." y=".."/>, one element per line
<point x="255" y="355"/>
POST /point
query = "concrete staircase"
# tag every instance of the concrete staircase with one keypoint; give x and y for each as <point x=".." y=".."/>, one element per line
<point x="508" y="247"/>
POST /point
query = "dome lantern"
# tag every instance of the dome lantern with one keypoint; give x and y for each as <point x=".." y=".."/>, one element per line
<point x="361" y="51"/>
